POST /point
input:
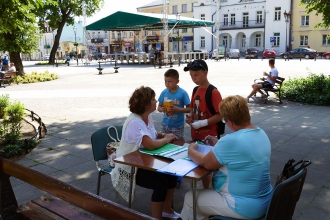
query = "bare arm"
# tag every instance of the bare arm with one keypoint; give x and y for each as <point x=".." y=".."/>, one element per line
<point x="214" y="119"/>
<point x="151" y="144"/>
<point x="208" y="161"/>
<point x="174" y="108"/>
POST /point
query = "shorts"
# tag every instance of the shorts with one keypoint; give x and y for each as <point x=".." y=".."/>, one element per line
<point x="266" y="84"/>
<point x="178" y="131"/>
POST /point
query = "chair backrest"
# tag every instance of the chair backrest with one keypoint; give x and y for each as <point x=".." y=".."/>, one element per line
<point x="285" y="196"/>
<point x="100" y="139"/>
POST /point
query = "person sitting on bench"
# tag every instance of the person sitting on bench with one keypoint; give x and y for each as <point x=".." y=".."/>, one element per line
<point x="268" y="82"/>
<point x="12" y="68"/>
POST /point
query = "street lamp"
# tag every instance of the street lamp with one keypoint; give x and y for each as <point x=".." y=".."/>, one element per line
<point x="75" y="41"/>
<point x="287" y="20"/>
<point x="178" y="19"/>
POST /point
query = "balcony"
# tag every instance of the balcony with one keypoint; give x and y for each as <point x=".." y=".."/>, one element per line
<point x="153" y="37"/>
<point x="97" y="40"/>
<point x="242" y="24"/>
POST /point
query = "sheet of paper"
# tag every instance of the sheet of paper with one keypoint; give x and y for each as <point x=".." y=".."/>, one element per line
<point x="204" y="148"/>
<point x="178" y="167"/>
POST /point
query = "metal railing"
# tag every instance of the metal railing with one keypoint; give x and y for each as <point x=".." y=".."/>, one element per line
<point x="37" y="135"/>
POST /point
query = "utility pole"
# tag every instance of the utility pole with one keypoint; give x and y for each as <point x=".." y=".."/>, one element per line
<point x="75" y="42"/>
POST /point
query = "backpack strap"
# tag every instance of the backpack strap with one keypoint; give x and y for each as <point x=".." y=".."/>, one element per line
<point x="208" y="100"/>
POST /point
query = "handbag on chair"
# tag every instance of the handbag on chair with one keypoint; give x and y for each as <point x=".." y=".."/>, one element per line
<point x="111" y="147"/>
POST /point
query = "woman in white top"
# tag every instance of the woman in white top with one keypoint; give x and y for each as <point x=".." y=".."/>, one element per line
<point x="139" y="131"/>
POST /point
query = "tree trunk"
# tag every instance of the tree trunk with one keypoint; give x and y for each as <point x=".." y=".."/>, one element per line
<point x="57" y="40"/>
<point x="16" y="59"/>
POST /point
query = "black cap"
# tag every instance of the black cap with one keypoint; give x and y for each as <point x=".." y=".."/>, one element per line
<point x="196" y="65"/>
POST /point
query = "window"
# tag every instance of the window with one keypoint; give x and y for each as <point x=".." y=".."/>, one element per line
<point x="245" y="19"/>
<point x="184" y="7"/>
<point x="192" y="6"/>
<point x="131" y="34"/>
<point x="276" y="39"/>
<point x="304" y="20"/>
<point x="184" y="30"/>
<point x="174" y="9"/>
<point x="258" y="40"/>
<point x="202" y="16"/>
<point x="125" y="34"/>
<point x="259" y="16"/>
<point x="303" y="40"/>
<point x="225" y="19"/>
<point x="145" y="33"/>
<point x="232" y="19"/>
<point x="325" y="41"/>
<point x="277" y="14"/>
<point x="113" y="34"/>
<point x="202" y="42"/>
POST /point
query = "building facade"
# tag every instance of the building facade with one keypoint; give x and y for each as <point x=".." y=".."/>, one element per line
<point x="277" y="26"/>
<point x="242" y="24"/>
<point x="304" y="32"/>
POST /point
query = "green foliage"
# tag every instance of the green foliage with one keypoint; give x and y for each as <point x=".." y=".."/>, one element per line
<point x="321" y="8"/>
<point x="314" y="90"/>
<point x="11" y="147"/>
<point x="62" y="12"/>
<point x="11" y="125"/>
<point x="37" y="77"/>
<point x="4" y="102"/>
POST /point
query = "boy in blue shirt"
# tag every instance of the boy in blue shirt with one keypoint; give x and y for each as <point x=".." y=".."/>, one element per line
<point x="173" y="120"/>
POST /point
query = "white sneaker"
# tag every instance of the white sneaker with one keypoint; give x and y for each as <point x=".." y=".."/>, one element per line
<point x="254" y="98"/>
<point x="247" y="99"/>
<point x="172" y="216"/>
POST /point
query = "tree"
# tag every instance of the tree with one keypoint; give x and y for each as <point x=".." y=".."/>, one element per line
<point x="20" y="41"/>
<point x="17" y="29"/>
<point x="57" y="15"/>
<point x="321" y="7"/>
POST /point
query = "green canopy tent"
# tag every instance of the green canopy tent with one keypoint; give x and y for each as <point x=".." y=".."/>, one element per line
<point x="128" y="21"/>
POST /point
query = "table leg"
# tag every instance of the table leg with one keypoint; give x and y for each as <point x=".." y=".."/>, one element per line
<point x="194" y="198"/>
<point x="131" y="187"/>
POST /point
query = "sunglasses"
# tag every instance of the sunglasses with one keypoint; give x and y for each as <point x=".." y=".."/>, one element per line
<point x="195" y="64"/>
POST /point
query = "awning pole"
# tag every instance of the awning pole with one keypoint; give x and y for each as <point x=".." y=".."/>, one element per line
<point x="165" y="27"/>
<point x="140" y="45"/>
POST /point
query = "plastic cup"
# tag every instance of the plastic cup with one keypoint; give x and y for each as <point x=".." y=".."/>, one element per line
<point x="167" y="105"/>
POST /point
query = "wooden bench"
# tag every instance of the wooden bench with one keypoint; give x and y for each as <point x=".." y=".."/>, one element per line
<point x="276" y="89"/>
<point x="71" y="202"/>
<point x="7" y="78"/>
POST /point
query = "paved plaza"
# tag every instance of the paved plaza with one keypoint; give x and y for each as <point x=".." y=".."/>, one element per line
<point x="81" y="101"/>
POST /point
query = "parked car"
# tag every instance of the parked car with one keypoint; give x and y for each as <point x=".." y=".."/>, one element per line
<point x="306" y="53"/>
<point x="234" y="53"/>
<point x="46" y="57"/>
<point x="251" y="52"/>
<point x="269" y="53"/>
<point x="326" y="55"/>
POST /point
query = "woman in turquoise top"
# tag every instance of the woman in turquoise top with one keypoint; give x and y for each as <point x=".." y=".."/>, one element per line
<point x="241" y="186"/>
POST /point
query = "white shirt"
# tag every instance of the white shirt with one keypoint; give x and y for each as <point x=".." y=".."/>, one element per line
<point x="136" y="129"/>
